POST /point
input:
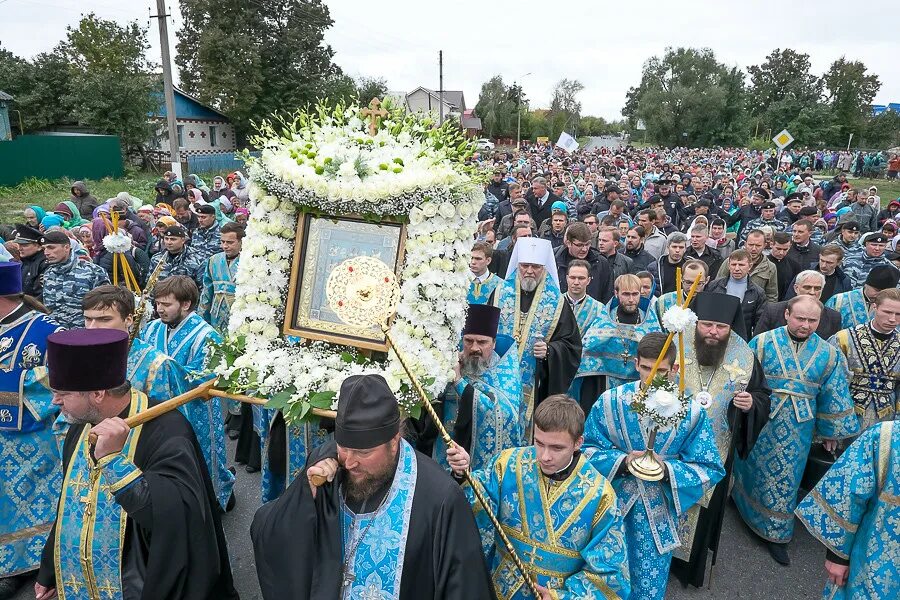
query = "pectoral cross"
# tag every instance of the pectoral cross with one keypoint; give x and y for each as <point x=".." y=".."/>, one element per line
<point x="374" y="112"/>
<point x="626" y="356"/>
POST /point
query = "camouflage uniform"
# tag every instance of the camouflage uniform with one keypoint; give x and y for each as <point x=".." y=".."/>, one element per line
<point x="775" y="224"/>
<point x="183" y="263"/>
<point x="66" y="283"/>
<point x="857" y="267"/>
<point x="854" y="249"/>
<point x="206" y="242"/>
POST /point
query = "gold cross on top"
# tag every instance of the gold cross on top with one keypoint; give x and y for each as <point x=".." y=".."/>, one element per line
<point x="374" y="113"/>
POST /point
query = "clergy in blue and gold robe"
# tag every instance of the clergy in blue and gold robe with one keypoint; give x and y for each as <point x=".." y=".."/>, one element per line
<point x="854" y="511"/>
<point x="653" y="509"/>
<point x="154" y="373"/>
<point x="558" y="511"/>
<point x="534" y="313"/>
<point x="585" y="309"/>
<point x="853" y="307"/>
<point x="219" y="283"/>
<point x="808" y="379"/>
<point x="609" y="346"/>
<point x="483" y="281"/>
<point x="29" y="454"/>
<point x="188" y="343"/>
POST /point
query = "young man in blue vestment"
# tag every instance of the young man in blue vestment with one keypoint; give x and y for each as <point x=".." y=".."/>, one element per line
<point x="483" y="281"/>
<point x="855" y="306"/>
<point x="183" y="335"/>
<point x="615" y="435"/>
<point x="29" y="454"/>
<point x="559" y="512"/>
<point x="482" y="406"/>
<point x="219" y="279"/>
<point x="810" y="396"/>
<point x="854" y="511"/>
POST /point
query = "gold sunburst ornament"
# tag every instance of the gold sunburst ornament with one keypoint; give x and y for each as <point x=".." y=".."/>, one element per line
<point x="363" y="292"/>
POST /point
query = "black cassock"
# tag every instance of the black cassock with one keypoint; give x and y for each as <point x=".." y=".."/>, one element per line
<point x="297" y="540"/>
<point x="174" y="545"/>
<point x="745" y="428"/>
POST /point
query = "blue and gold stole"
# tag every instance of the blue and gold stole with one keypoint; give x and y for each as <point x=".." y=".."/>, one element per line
<point x="586" y="312"/>
<point x="480" y="292"/>
<point x="378" y="539"/>
<point x="90" y="524"/>
<point x="873" y="376"/>
<point x="538" y="324"/>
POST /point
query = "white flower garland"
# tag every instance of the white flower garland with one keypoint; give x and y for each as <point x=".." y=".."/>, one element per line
<point x="441" y="203"/>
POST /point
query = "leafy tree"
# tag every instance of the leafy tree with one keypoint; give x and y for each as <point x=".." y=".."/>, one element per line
<point x="565" y="104"/>
<point x="497" y="108"/>
<point x="112" y="87"/>
<point x="40" y="88"/>
<point x="882" y="131"/>
<point x="850" y="94"/>
<point x="252" y="59"/>
<point x="371" y="87"/>
<point x="780" y="88"/>
<point x="688" y="97"/>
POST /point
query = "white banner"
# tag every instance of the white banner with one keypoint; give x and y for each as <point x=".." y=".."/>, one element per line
<point x="567" y="142"/>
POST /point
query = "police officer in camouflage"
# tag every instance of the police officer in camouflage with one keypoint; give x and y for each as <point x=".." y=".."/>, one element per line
<point x="67" y="279"/>
<point x="179" y="258"/>
<point x="857" y="267"/>
<point x="206" y="239"/>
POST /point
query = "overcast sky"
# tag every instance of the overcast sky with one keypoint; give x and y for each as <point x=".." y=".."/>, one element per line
<point x="601" y="43"/>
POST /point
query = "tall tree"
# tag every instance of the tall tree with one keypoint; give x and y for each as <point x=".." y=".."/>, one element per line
<point x="883" y="131"/>
<point x="497" y="107"/>
<point x="565" y="104"/>
<point x="688" y="97"/>
<point x="780" y="88"/>
<point x="251" y="59"/>
<point x="371" y="87"/>
<point x="41" y="88"/>
<point x="850" y="94"/>
<point x="112" y="87"/>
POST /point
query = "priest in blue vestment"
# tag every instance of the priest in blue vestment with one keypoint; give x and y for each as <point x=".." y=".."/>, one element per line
<point x="810" y="396"/>
<point x="482" y="406"/>
<point x="615" y="435"/>
<point x="29" y="454"/>
<point x="854" y="511"/>
<point x="534" y="313"/>
<point x="559" y="512"/>
<point x="219" y="279"/>
<point x="182" y="334"/>
<point x="484" y="282"/>
<point x="609" y="345"/>
<point x="855" y="306"/>
<point x="584" y="307"/>
<point x="387" y="522"/>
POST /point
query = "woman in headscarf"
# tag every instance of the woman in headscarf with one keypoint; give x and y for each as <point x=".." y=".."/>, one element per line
<point x="241" y="189"/>
<point x="220" y="188"/>
<point x="51" y="220"/>
<point x="241" y="215"/>
<point x="193" y="182"/>
<point x="33" y="215"/>
<point x="890" y="212"/>
<point x="69" y="212"/>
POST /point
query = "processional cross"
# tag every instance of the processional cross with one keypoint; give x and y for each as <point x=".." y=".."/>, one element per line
<point x="374" y="112"/>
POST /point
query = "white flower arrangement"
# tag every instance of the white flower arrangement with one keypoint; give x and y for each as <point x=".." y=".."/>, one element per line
<point x="117" y="243"/>
<point x="661" y="403"/>
<point x="328" y="163"/>
<point x="678" y="319"/>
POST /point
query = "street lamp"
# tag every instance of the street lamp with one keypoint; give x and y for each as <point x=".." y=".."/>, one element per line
<point x="519" y="113"/>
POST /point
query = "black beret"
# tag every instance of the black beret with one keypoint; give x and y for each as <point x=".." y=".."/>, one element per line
<point x="55" y="237"/>
<point x="850" y="225"/>
<point x="876" y="238"/>
<point x="795" y="197"/>
<point x="175" y="231"/>
<point x="808" y="211"/>
<point x="206" y="209"/>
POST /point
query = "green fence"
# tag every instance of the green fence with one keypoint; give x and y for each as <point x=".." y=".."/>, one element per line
<point x="58" y="156"/>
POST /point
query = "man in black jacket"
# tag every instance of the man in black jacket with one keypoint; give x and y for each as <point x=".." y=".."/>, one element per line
<point x="671" y="202"/>
<point x="540" y="200"/>
<point x="34" y="263"/>
<point x="785" y="265"/>
<point x="634" y="249"/>
<point x="808" y="283"/>
<point x="577" y="244"/>
<point x="498" y="188"/>
<point x="738" y="284"/>
<point x="664" y="269"/>
<point x="803" y="249"/>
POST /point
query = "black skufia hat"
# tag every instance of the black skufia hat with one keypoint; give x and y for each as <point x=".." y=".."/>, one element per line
<point x="482" y="319"/>
<point x="368" y="414"/>
<point x="721" y="308"/>
<point x="883" y="277"/>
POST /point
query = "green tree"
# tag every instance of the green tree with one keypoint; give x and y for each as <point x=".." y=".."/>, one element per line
<point x="41" y="88"/>
<point x="565" y="108"/>
<point x="780" y="88"/>
<point x="253" y="59"/>
<point x="371" y="87"/>
<point x="497" y="107"/>
<point x="882" y="131"/>
<point x="688" y="97"/>
<point x="112" y="87"/>
<point x="850" y="93"/>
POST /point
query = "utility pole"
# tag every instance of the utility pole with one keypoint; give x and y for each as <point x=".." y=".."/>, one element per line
<point x="168" y="86"/>
<point x="441" y="84"/>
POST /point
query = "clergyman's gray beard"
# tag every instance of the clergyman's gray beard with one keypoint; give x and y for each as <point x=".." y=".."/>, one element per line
<point x="709" y="355"/>
<point x="529" y="284"/>
<point x="91" y="416"/>
<point x="474" y="366"/>
<point x="358" y="491"/>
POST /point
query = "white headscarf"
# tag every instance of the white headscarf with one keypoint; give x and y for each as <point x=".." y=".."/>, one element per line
<point x="534" y="251"/>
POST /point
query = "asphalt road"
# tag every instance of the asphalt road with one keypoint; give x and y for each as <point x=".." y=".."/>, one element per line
<point x="611" y="142"/>
<point x="744" y="568"/>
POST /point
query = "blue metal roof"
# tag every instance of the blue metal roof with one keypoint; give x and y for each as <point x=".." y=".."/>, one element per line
<point x="188" y="107"/>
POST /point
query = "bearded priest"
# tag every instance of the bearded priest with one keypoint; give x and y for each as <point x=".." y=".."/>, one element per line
<point x="482" y="406"/>
<point x="535" y="314"/>
<point x="723" y="375"/>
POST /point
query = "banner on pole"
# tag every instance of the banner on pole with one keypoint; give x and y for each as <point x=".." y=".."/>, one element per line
<point x="567" y="142"/>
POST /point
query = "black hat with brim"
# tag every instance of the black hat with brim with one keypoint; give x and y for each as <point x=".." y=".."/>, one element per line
<point x="25" y="234"/>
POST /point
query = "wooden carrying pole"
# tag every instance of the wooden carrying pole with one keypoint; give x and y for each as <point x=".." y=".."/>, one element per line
<point x="204" y="391"/>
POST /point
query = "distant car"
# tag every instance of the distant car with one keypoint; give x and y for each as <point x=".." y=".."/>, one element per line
<point x="484" y="144"/>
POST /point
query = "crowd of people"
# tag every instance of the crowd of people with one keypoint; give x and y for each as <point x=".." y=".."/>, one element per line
<point x="790" y="372"/>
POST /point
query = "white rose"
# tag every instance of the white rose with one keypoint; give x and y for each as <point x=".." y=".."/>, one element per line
<point x="465" y="210"/>
<point x="431" y="291"/>
<point x="429" y="210"/>
<point x="416" y="216"/>
<point x="270" y="332"/>
<point x="447" y="210"/>
<point x="438" y="237"/>
<point x="663" y="403"/>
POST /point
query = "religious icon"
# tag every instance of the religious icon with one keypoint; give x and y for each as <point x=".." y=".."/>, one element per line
<point x="322" y="243"/>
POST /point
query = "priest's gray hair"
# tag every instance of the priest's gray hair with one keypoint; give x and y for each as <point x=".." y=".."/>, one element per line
<point x="804" y="275"/>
